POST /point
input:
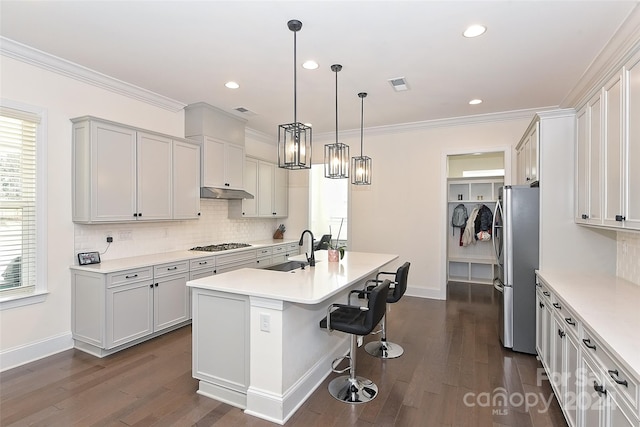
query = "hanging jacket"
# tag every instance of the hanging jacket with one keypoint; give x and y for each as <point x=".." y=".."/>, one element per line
<point x="483" y="220"/>
<point x="469" y="234"/>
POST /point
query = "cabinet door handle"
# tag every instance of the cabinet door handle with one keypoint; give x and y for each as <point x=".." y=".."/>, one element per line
<point x="202" y="263"/>
<point x="151" y="286"/>
<point x="585" y="216"/>
<point x="156" y="285"/>
<point x="556" y="305"/>
<point x="599" y="388"/>
<point x="613" y="373"/>
<point x="135" y="214"/>
<point x="620" y="218"/>
<point x="570" y="321"/>
<point x="541" y="305"/>
<point x="546" y="294"/>
<point x="172" y="268"/>
<point x="132" y="276"/>
<point x="587" y="342"/>
<point x="561" y="333"/>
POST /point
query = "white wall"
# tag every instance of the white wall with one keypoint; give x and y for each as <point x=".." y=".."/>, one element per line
<point x="36" y="330"/>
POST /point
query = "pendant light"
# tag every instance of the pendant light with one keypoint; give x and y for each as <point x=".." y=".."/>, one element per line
<point x="361" y="166"/>
<point x="294" y="139"/>
<point x="336" y="156"/>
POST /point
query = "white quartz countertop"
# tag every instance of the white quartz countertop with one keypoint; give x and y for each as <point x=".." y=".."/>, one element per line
<point x="608" y="306"/>
<point x="113" y="265"/>
<point x="309" y="286"/>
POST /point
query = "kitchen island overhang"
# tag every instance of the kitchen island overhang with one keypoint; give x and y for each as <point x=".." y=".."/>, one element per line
<point x="256" y="340"/>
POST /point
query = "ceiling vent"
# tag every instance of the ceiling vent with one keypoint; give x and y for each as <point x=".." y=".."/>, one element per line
<point x="245" y="111"/>
<point x="399" y="84"/>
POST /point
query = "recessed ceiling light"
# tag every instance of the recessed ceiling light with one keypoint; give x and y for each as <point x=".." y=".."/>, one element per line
<point x="474" y="31"/>
<point x="310" y="65"/>
<point x="475" y="101"/>
<point x="232" y="85"/>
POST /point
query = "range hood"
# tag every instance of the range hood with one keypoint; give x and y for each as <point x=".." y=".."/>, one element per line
<point x="223" y="193"/>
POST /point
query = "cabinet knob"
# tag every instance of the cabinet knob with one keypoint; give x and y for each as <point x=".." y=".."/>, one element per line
<point x="139" y="213"/>
<point x="198" y="213"/>
<point x="135" y="214"/>
<point x="151" y="286"/>
<point x="585" y="216"/>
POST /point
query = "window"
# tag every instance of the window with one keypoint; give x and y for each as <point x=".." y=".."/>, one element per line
<point x="329" y="204"/>
<point x="19" y="210"/>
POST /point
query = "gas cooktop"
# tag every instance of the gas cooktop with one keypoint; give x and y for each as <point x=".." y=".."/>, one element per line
<point x="220" y="247"/>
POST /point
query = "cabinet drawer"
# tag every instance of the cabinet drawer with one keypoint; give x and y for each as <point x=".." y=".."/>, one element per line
<point x="197" y="264"/>
<point x="235" y="257"/>
<point x="170" y="268"/>
<point x="277" y="250"/>
<point x="129" y="276"/>
<point x="626" y="385"/>
<point x="264" y="252"/>
<point x="569" y="319"/>
<point x="293" y="249"/>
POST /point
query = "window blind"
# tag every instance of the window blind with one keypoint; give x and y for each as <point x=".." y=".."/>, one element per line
<point x="18" y="136"/>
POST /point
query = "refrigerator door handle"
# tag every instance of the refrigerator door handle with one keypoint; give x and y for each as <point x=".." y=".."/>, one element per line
<point x="494" y="226"/>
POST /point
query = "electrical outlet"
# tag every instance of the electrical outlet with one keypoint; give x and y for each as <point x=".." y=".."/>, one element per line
<point x="125" y="235"/>
<point x="109" y="239"/>
<point x="265" y="322"/>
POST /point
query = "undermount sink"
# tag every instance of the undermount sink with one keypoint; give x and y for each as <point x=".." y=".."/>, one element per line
<point x="288" y="266"/>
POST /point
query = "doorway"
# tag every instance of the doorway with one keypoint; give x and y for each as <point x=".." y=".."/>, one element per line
<point x="472" y="185"/>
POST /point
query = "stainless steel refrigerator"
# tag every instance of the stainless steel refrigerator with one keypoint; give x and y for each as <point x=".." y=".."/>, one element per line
<point x="516" y="243"/>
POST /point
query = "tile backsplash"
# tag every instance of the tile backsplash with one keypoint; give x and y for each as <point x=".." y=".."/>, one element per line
<point x="143" y="238"/>
<point x="628" y="256"/>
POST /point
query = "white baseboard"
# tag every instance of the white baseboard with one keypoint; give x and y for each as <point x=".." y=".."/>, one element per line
<point x="17" y="356"/>
<point x="426" y="293"/>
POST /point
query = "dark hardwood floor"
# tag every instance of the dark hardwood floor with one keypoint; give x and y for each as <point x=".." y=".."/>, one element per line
<point x="453" y="373"/>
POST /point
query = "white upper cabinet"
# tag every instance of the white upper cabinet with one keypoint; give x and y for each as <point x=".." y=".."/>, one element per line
<point x="186" y="180"/>
<point x="125" y="174"/>
<point x="269" y="185"/>
<point x="222" y="164"/>
<point x="528" y="159"/>
<point x="631" y="177"/>
<point x="155" y="176"/>
<point x="613" y="144"/>
<point x="608" y="153"/>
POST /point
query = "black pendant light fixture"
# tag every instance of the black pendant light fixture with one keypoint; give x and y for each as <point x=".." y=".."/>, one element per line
<point x="361" y="166"/>
<point x="336" y="156"/>
<point x="294" y="139"/>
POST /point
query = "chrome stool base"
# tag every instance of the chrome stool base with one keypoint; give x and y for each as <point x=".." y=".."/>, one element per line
<point x="353" y="390"/>
<point x="384" y="349"/>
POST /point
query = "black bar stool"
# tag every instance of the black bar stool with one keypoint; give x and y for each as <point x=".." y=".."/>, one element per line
<point x="383" y="348"/>
<point x="357" y="321"/>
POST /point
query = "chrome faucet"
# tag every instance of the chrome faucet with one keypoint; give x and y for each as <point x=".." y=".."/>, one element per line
<point x="311" y="259"/>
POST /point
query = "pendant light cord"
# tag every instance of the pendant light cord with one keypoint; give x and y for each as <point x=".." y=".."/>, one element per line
<point x="295" y="75"/>
<point x="337" y="69"/>
<point x="361" y="120"/>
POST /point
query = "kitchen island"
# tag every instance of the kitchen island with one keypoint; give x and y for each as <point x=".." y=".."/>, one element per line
<point x="257" y="344"/>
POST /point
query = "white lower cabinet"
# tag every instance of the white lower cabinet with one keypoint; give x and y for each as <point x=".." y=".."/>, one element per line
<point x="111" y="311"/>
<point x="129" y="313"/>
<point x="592" y="387"/>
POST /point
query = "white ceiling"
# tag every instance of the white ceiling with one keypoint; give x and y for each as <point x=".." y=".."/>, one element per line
<point x="532" y="55"/>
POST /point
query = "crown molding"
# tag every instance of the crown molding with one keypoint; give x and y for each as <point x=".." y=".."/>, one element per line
<point x="32" y="56"/>
<point x="525" y="114"/>
<point x="618" y="50"/>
